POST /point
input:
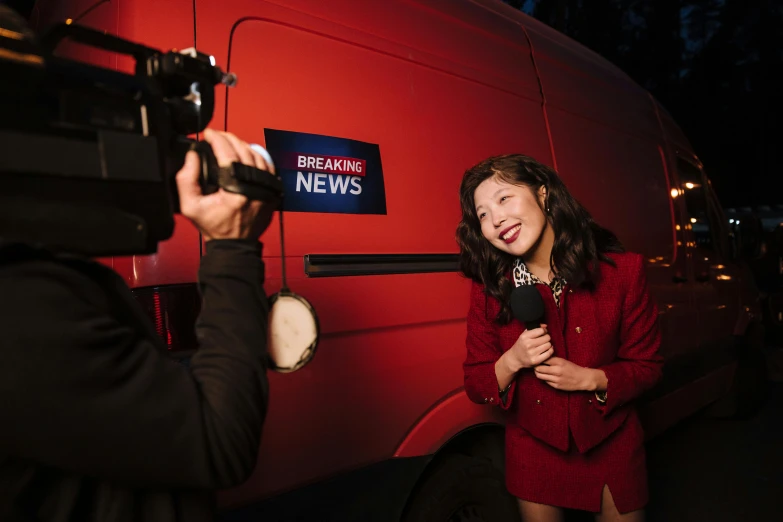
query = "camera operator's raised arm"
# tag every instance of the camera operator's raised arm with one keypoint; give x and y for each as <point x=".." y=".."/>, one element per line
<point x="88" y="390"/>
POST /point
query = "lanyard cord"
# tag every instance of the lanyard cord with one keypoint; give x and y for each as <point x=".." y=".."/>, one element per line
<point x="282" y="252"/>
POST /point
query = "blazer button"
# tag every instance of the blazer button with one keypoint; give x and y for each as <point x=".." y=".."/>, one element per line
<point x="491" y="399"/>
<point x="485" y="399"/>
<point x="578" y="329"/>
<point x="590" y="401"/>
<point x="538" y="401"/>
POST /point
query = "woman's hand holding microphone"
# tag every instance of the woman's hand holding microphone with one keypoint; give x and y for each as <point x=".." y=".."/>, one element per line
<point x="532" y="348"/>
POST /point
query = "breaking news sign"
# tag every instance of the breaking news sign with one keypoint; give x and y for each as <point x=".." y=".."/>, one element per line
<point x="327" y="174"/>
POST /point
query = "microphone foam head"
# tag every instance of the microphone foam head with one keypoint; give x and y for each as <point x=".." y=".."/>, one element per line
<point x="526" y="303"/>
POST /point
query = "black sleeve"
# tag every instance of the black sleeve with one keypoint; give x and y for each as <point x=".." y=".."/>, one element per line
<point x="82" y="391"/>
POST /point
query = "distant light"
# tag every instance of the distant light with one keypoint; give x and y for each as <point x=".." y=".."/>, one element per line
<point x="731" y="220"/>
<point x="675" y="192"/>
<point x="690" y="185"/>
<point x="677" y="227"/>
<point x="738" y="221"/>
<point x="694" y="220"/>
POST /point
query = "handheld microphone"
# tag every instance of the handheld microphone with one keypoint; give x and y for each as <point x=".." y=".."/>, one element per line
<point x="527" y="306"/>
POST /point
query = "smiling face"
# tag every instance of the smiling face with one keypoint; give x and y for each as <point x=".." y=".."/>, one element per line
<point x="511" y="216"/>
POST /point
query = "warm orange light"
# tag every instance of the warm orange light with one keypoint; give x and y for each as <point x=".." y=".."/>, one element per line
<point x="677" y="227"/>
<point x="675" y="192"/>
<point x="690" y="185"/>
<point x="723" y="277"/>
<point x="693" y="220"/>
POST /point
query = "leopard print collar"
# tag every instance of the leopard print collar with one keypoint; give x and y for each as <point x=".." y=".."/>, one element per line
<point x="523" y="276"/>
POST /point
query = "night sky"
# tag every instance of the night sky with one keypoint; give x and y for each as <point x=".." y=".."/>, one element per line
<point x="714" y="64"/>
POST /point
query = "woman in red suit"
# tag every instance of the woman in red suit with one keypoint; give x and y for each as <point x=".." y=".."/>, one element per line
<point x="573" y="438"/>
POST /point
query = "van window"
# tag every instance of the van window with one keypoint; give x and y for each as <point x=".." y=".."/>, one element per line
<point x="720" y="231"/>
<point x="693" y="189"/>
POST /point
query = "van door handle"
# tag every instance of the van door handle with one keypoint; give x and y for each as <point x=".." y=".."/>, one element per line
<point x="679" y="279"/>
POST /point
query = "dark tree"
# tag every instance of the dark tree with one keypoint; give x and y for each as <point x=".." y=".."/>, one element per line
<point x="714" y="64"/>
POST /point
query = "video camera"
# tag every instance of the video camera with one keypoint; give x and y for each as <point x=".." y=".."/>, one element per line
<point x="88" y="155"/>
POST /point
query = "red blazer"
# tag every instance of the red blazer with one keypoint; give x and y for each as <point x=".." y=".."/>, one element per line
<point x="613" y="327"/>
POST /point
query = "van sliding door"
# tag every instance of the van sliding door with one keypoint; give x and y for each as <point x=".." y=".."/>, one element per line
<point x="374" y="112"/>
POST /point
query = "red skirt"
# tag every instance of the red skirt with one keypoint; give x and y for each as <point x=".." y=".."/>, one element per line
<point x="539" y="473"/>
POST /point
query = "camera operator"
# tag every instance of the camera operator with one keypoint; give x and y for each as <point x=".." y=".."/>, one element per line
<point x="96" y="422"/>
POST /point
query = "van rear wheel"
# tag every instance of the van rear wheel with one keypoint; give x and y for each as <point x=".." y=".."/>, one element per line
<point x="462" y="489"/>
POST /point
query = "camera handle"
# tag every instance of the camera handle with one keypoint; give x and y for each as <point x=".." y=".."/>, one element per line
<point x="239" y="178"/>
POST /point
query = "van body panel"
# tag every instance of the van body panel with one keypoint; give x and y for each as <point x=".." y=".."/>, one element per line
<point x="619" y="178"/>
<point x="353" y="405"/>
<point x="356" y="304"/>
<point x="666" y="411"/>
<point x="437" y="29"/>
<point x="419" y="99"/>
<point x="49" y="12"/>
<point x="414" y="109"/>
<point x="575" y="86"/>
<point x="456" y="412"/>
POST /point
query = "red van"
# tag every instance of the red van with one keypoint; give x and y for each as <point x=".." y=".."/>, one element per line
<point x="389" y="102"/>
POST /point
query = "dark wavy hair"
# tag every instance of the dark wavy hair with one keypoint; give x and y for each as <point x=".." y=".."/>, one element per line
<point x="579" y="241"/>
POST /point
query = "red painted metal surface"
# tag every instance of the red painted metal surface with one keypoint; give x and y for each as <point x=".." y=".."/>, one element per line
<point x="445" y="420"/>
<point x="338" y="80"/>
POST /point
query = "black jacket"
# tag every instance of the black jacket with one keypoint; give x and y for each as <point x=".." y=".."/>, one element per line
<point x="96" y="422"/>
